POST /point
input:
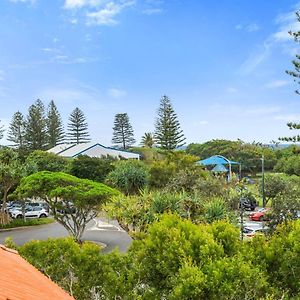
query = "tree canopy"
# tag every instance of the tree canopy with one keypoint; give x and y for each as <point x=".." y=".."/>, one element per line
<point x="122" y="131"/>
<point x="16" y="131"/>
<point x="78" y="127"/>
<point x="36" y="131"/>
<point x="55" y="128"/>
<point x="168" y="134"/>
<point x="73" y="201"/>
<point x="11" y="171"/>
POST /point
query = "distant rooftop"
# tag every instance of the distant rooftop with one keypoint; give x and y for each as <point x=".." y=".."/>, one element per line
<point x="60" y="148"/>
<point x="91" y="149"/>
<point x="19" y="280"/>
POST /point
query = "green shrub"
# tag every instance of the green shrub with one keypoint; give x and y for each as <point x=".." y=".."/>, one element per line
<point x="289" y="165"/>
<point x="129" y="177"/>
<point x="92" y="168"/>
<point x="44" y="161"/>
<point x="80" y="269"/>
<point x="28" y="222"/>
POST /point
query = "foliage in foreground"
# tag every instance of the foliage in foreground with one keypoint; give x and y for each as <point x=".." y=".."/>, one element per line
<point x="177" y="260"/>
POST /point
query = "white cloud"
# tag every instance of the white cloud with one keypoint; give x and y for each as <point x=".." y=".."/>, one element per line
<point x="98" y="12"/>
<point x="116" y="93"/>
<point x="74" y="4"/>
<point x="285" y="23"/>
<point x="255" y="59"/>
<point x="107" y="14"/>
<point x="152" y="11"/>
<point x="276" y="84"/>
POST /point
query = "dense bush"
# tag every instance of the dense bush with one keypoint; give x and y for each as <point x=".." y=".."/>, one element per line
<point x="289" y="165"/>
<point x="129" y="176"/>
<point x="44" y="161"/>
<point x="275" y="184"/>
<point x="92" y="168"/>
<point x="161" y="173"/>
<point x="79" y="269"/>
<point x="174" y="166"/>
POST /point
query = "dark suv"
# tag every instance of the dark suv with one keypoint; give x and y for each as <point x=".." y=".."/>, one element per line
<point x="248" y="204"/>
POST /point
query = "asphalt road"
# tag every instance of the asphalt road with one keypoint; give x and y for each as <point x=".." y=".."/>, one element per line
<point x="97" y="231"/>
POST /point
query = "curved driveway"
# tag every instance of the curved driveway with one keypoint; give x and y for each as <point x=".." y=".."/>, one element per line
<point x="97" y="231"/>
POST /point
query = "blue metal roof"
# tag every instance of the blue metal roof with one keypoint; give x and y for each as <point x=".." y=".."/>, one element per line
<point x="217" y="160"/>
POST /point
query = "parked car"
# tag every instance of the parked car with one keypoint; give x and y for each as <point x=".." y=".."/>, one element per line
<point x="30" y="212"/>
<point x="14" y="206"/>
<point x="250" y="232"/>
<point x="259" y="215"/>
<point x="248" y="204"/>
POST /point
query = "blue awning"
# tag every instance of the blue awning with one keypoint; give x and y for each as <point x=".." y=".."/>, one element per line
<point x="219" y="168"/>
<point x="217" y="160"/>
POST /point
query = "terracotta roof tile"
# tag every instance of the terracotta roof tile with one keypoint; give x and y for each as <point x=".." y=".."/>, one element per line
<point x="19" y="280"/>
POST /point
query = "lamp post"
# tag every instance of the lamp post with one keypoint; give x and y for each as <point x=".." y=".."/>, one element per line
<point x="263" y="180"/>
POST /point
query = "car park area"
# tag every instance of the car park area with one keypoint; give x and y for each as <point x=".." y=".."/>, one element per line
<point x="28" y="209"/>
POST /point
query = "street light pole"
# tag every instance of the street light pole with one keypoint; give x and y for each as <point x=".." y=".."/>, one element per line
<point x="263" y="180"/>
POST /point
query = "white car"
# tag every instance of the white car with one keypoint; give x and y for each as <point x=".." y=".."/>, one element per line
<point x="30" y="212"/>
<point x="250" y="232"/>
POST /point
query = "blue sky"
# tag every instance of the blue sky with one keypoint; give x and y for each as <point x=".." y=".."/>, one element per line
<point x="221" y="63"/>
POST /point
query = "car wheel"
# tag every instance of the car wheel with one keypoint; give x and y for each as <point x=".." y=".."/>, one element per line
<point x="261" y="218"/>
<point x="43" y="216"/>
<point x="19" y="216"/>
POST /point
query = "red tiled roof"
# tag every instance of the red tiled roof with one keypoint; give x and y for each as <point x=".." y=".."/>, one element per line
<point x="19" y="280"/>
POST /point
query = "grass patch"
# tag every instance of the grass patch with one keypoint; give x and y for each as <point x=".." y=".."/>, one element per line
<point x="28" y="222"/>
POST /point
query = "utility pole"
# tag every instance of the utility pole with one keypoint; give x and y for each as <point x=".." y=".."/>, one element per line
<point x="263" y="180"/>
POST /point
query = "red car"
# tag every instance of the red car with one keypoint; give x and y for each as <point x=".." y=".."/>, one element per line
<point x="259" y="215"/>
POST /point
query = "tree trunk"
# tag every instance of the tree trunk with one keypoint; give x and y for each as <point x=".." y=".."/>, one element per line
<point x="4" y="216"/>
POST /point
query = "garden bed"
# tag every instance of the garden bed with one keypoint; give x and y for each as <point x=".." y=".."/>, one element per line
<point x="15" y="223"/>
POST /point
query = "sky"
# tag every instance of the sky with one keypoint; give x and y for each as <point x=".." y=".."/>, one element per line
<point x="222" y="63"/>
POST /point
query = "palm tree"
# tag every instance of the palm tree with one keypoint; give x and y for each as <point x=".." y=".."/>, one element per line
<point x="147" y="140"/>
